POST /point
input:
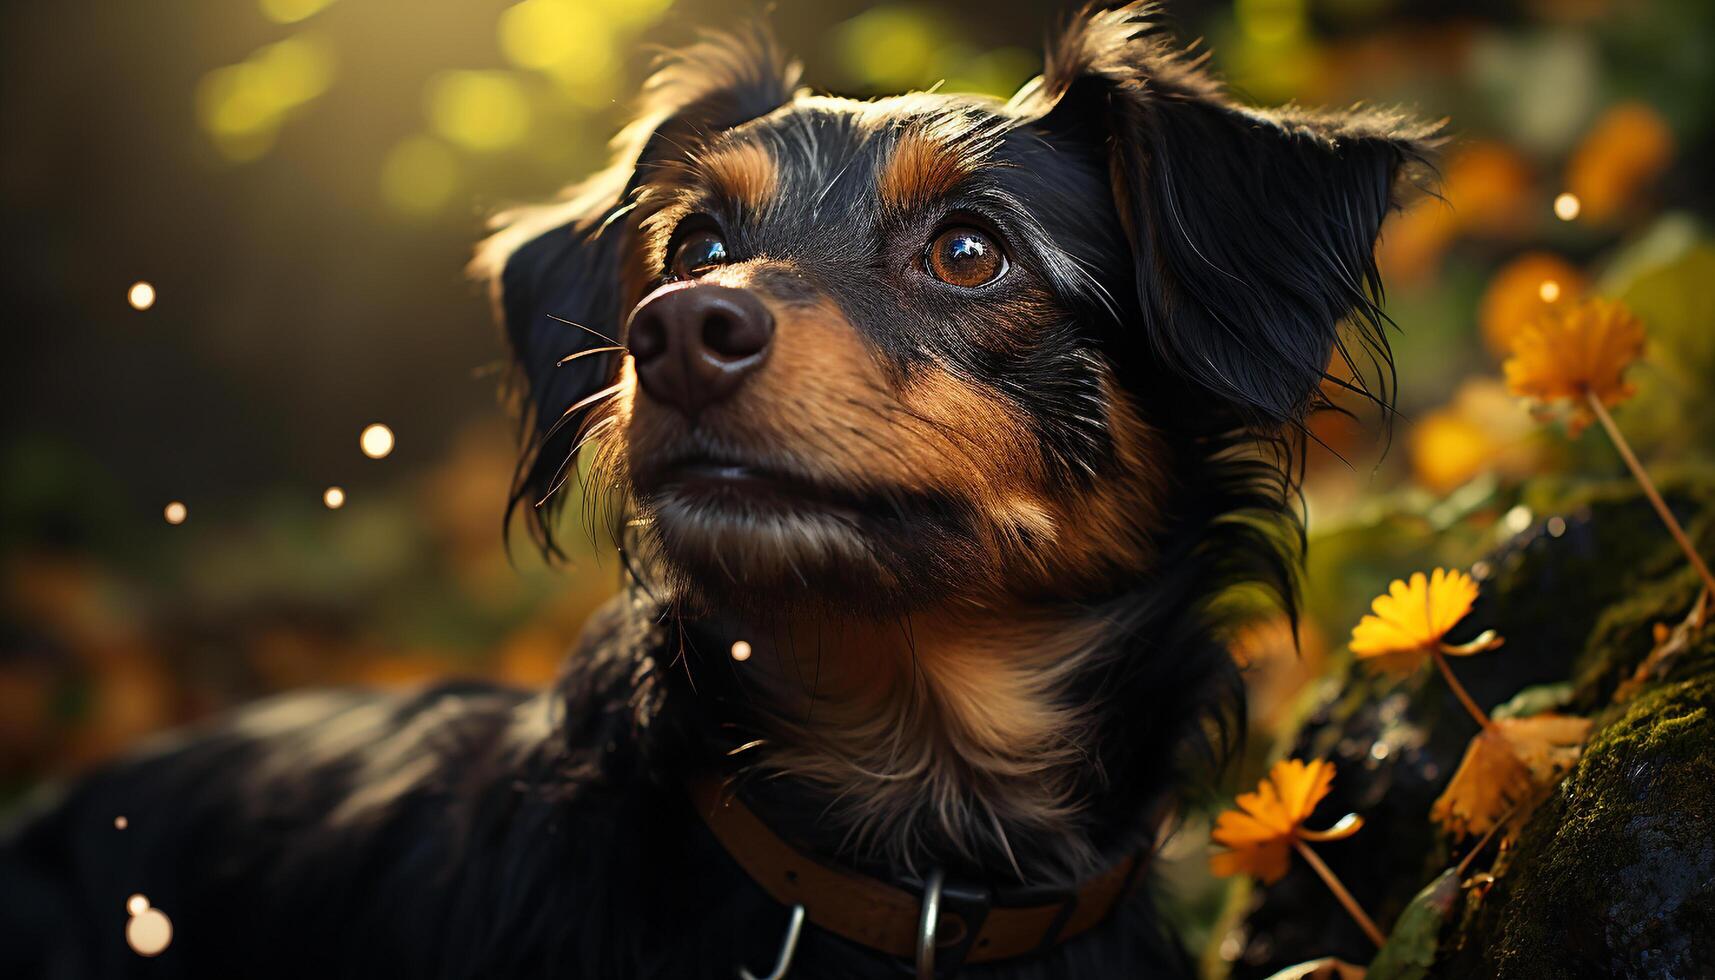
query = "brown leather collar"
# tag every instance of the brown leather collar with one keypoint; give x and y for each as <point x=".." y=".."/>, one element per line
<point x="873" y="913"/>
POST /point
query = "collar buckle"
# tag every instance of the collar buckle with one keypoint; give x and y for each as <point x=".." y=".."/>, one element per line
<point x="952" y="919"/>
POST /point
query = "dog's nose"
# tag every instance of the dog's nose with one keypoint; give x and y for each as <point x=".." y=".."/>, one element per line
<point x="695" y="343"/>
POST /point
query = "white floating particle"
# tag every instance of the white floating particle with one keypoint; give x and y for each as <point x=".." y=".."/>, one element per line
<point x="149" y="932"/>
<point x="141" y="295"/>
<point x="1517" y="519"/>
<point x="376" y="440"/>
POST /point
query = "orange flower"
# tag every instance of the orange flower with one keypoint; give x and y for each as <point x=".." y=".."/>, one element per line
<point x="1259" y="834"/>
<point x="1506" y="769"/>
<point x="1628" y="147"/>
<point x="1585" y="347"/>
<point x="1410" y="621"/>
<point x="1523" y="290"/>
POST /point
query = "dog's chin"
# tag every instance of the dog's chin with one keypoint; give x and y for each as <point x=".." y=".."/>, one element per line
<point x="740" y="539"/>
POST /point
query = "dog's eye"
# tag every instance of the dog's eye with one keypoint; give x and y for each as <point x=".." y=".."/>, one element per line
<point x="698" y="253"/>
<point x="964" y="256"/>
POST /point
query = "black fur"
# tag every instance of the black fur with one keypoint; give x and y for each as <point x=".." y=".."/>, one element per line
<point x="1207" y="252"/>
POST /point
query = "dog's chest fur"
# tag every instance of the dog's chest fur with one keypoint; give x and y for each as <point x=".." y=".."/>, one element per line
<point x="464" y="831"/>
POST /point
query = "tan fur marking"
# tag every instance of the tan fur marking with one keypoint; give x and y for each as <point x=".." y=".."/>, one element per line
<point x="956" y="718"/>
<point x="922" y="167"/>
<point x="745" y="172"/>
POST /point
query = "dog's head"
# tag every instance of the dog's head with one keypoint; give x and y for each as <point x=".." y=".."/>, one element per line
<point x="936" y="347"/>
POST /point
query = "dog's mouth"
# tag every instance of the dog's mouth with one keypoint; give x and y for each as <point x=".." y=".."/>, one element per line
<point x="750" y="521"/>
<point x="725" y="481"/>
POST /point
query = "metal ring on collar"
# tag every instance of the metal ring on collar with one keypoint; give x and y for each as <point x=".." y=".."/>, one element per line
<point x="926" y="925"/>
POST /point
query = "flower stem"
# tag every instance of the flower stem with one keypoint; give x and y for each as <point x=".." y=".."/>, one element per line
<point x="1650" y="491"/>
<point x="1459" y="690"/>
<point x="1333" y="882"/>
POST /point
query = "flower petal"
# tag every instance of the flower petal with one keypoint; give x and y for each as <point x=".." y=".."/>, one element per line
<point x="1576" y="348"/>
<point x="1343" y="828"/>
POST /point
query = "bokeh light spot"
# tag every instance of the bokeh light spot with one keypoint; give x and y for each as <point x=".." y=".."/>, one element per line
<point x="333" y="498"/>
<point x="542" y="34"/>
<point x="418" y="176"/>
<point x="741" y="650"/>
<point x="149" y="932"/>
<point x="120" y="822"/>
<point x="1567" y="206"/>
<point x="479" y="110"/>
<point x="1549" y="291"/>
<point x="1517" y="520"/>
<point x="141" y="295"/>
<point x="137" y="904"/>
<point x="242" y="106"/>
<point x="1270" y="21"/>
<point x="889" y="47"/>
<point x="376" y="440"/>
<point x="176" y="512"/>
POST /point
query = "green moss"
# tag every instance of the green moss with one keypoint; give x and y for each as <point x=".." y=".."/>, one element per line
<point x="1625" y="634"/>
<point x="1615" y="875"/>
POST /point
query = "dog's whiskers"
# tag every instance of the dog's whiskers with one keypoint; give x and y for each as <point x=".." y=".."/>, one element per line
<point x="564" y="471"/>
<point x="584" y="402"/>
<point x="586" y="353"/>
<point x="589" y="330"/>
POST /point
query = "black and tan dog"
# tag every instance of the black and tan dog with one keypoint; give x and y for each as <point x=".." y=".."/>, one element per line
<point x="956" y="416"/>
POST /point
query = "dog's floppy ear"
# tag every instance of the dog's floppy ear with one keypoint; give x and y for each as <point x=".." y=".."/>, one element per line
<point x="1252" y="232"/>
<point x="555" y="272"/>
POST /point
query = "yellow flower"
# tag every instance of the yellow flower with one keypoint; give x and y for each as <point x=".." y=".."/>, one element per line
<point x="1410" y="621"/>
<point x="1483" y="429"/>
<point x="1260" y="833"/>
<point x="1584" y="347"/>
<point x="1506" y="769"/>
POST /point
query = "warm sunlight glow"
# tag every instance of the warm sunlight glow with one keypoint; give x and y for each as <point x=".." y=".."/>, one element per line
<point x="292" y="11"/>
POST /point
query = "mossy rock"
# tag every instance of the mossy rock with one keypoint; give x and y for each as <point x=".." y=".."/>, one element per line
<point x="1577" y="596"/>
<point x="1615" y="875"/>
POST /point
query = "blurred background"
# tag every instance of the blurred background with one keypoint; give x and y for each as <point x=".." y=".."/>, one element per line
<point x="235" y="236"/>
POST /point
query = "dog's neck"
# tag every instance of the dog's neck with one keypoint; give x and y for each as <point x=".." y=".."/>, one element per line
<point x="949" y="735"/>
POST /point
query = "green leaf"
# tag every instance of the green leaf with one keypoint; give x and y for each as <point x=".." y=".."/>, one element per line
<point x="1535" y="700"/>
<point x="1411" y="947"/>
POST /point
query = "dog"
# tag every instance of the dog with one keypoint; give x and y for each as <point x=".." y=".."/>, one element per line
<point x="936" y="432"/>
